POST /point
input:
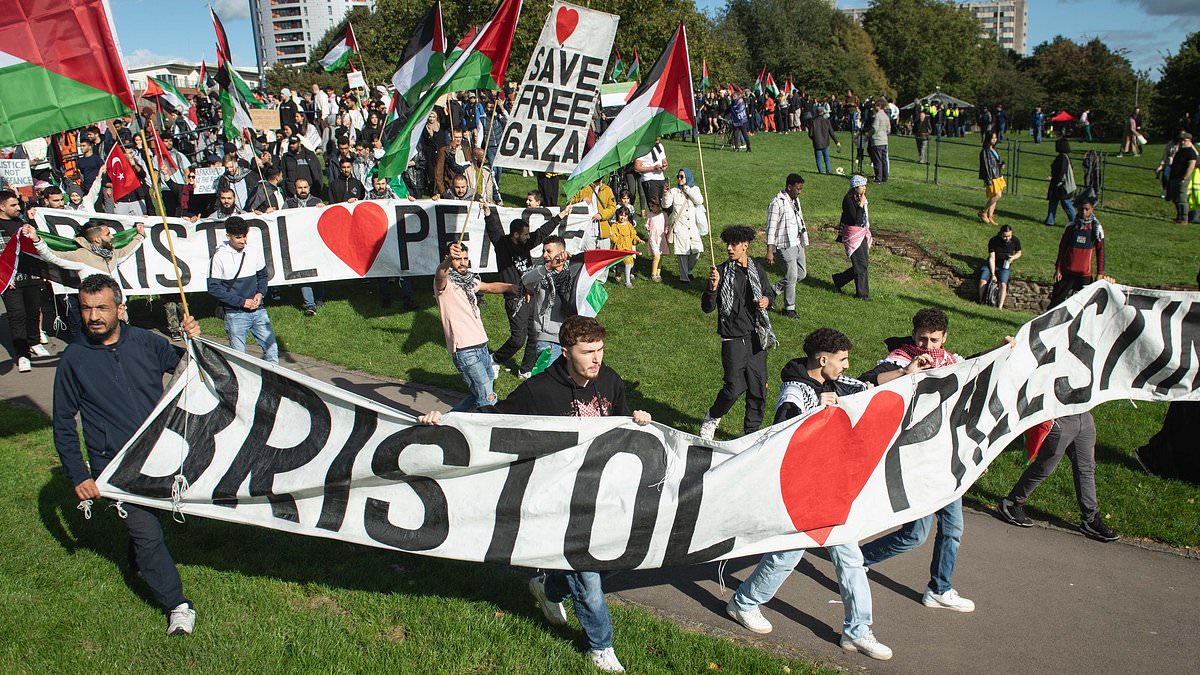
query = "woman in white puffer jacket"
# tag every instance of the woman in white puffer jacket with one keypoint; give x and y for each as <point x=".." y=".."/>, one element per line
<point x="687" y="212"/>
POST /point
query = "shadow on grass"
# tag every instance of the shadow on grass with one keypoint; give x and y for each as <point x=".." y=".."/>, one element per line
<point x="927" y="302"/>
<point x="260" y="552"/>
<point x="929" y="208"/>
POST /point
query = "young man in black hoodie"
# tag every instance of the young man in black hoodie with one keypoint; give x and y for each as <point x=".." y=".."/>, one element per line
<point x="512" y="262"/>
<point x="576" y="385"/>
<point x="112" y="377"/>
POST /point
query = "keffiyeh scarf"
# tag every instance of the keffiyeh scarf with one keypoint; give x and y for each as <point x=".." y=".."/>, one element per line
<point x="467" y="283"/>
<point x="725" y="292"/>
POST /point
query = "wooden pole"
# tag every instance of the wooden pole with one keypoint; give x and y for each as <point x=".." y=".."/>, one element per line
<point x="162" y="212"/>
<point x="478" y="174"/>
<point x="712" y="252"/>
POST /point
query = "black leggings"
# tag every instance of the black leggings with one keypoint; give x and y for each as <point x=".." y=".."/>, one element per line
<point x="23" y="305"/>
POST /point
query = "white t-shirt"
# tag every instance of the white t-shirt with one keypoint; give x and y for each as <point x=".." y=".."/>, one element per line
<point x="656" y="155"/>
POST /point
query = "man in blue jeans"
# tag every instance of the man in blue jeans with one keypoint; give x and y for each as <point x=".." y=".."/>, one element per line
<point x="456" y="286"/>
<point x="237" y="278"/>
<point x="925" y="350"/>
<point x="577" y="385"/>
<point x="807" y="386"/>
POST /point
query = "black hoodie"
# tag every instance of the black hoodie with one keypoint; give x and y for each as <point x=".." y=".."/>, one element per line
<point x="799" y="392"/>
<point x="553" y="392"/>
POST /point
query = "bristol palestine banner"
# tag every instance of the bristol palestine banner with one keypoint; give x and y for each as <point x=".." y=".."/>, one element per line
<point x="387" y="238"/>
<point x="262" y="445"/>
<point x="554" y="106"/>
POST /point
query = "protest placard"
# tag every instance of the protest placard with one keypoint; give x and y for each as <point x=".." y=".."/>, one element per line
<point x="16" y="172"/>
<point x="206" y="179"/>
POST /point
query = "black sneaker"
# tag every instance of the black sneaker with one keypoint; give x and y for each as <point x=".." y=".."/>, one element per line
<point x="310" y="311"/>
<point x="1014" y="513"/>
<point x="1096" y="529"/>
<point x="789" y="313"/>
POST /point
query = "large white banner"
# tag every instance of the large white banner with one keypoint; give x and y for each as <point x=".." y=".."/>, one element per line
<point x="259" y="444"/>
<point x="553" y="108"/>
<point x="342" y="241"/>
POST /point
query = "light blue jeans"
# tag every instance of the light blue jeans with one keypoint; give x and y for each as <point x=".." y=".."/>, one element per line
<point x="585" y="589"/>
<point x="1066" y="205"/>
<point x="912" y="535"/>
<point x="475" y="366"/>
<point x="310" y="298"/>
<point x="822" y="155"/>
<point x="258" y="324"/>
<point x="774" y="568"/>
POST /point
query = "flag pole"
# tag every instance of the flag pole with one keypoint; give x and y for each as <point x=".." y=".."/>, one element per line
<point x="712" y="252"/>
<point x="478" y="174"/>
<point x="162" y="211"/>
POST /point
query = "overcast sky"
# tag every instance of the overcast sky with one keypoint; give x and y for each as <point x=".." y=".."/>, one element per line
<point x="151" y="30"/>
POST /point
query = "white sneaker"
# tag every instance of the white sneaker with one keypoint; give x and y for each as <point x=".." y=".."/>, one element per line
<point x="181" y="620"/>
<point x="45" y="339"/>
<point x="752" y="618"/>
<point x="606" y="660"/>
<point x="23" y="365"/>
<point x="867" y="644"/>
<point x="948" y="600"/>
<point x="524" y="374"/>
<point x="553" y="611"/>
<point x="708" y="428"/>
<point x="39" y="351"/>
<point x="495" y="371"/>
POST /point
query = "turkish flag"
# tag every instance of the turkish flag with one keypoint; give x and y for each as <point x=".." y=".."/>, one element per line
<point x="120" y="172"/>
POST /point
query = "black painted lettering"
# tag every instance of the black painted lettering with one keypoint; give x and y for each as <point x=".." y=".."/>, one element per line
<point x="687" y="513"/>
<point x="527" y="445"/>
<point x="914" y="432"/>
<point x="337" y="478"/>
<point x="404" y="236"/>
<point x="285" y="253"/>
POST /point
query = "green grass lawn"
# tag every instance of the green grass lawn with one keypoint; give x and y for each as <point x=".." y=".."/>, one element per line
<point x="279" y="603"/>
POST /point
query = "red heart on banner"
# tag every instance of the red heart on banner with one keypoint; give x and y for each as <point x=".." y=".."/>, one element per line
<point x="828" y="461"/>
<point x="565" y="23"/>
<point x="357" y="237"/>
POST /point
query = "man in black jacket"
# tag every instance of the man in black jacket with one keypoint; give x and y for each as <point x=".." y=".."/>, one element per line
<point x="512" y="262"/>
<point x="112" y="377"/>
<point x="738" y="290"/>
<point x="344" y="187"/>
<point x="300" y="162"/>
<point x="576" y="385"/>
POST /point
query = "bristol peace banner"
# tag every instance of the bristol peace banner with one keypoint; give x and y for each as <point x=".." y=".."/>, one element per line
<point x="555" y="103"/>
<point x="261" y="445"/>
<point x="388" y="238"/>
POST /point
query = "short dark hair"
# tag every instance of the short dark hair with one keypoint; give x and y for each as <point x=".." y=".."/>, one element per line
<point x="98" y="282"/>
<point x="228" y="156"/>
<point x="554" y="239"/>
<point x="90" y="228"/>
<point x="621" y="209"/>
<point x="517" y="225"/>
<point x="345" y="160"/>
<point x="236" y="225"/>
<point x="271" y="171"/>
<point x="826" y="340"/>
<point x="536" y="194"/>
<point x="51" y="191"/>
<point x="224" y="190"/>
<point x="1005" y="228"/>
<point x="930" y="319"/>
<point x="580" y="329"/>
<point x="737" y="234"/>
<point x="794" y="178"/>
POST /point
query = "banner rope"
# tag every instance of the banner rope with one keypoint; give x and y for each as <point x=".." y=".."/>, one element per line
<point x="120" y="507"/>
<point x="86" y="507"/>
<point x="179" y="484"/>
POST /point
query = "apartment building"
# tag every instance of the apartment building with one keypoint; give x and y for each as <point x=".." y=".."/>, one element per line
<point x="285" y="31"/>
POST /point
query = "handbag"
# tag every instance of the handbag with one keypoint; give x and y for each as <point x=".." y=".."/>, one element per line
<point x="1068" y="181"/>
<point x="701" y="220"/>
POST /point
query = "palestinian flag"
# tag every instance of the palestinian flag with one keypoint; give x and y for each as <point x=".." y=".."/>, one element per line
<point x="482" y="65"/>
<point x="243" y="88"/>
<point x="462" y="45"/>
<point x="704" y="76"/>
<point x="1034" y="437"/>
<point x="65" y="244"/>
<point x="771" y="88"/>
<point x="424" y="58"/>
<point x="60" y="68"/>
<point x="166" y="163"/>
<point x="590" y="295"/>
<point x="223" y="53"/>
<point x="662" y="104"/>
<point x="618" y="68"/>
<point x="341" y="50"/>
<point x="758" y="84"/>
<point x="235" y="113"/>
<point x="203" y="82"/>
<point x="10" y="258"/>
<point x="635" y="68"/>
<point x="166" y="96"/>
<point x="789" y="87"/>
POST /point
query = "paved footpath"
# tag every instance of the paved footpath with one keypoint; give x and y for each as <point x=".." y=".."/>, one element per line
<point x="1048" y="600"/>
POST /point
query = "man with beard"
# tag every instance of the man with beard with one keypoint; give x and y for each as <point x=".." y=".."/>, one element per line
<point x="577" y="385"/>
<point x="95" y="253"/>
<point x="512" y="262"/>
<point x="303" y="196"/>
<point x="269" y="195"/>
<point x="111" y="376"/>
<point x="241" y="180"/>
<point x="344" y="187"/>
<point x="225" y="206"/>
<point x="299" y="163"/>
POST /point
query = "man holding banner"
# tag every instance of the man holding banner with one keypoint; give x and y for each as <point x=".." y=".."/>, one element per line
<point x="577" y="385"/>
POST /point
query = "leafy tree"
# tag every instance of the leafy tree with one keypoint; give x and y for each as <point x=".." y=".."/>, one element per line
<point x="1177" y="92"/>
<point x="925" y="44"/>
<point x="1089" y="76"/>
<point x="822" y="48"/>
<point x="1014" y="89"/>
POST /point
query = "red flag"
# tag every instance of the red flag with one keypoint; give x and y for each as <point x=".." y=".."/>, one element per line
<point x="223" y="55"/>
<point x="1034" y="437"/>
<point x="152" y="89"/>
<point x="203" y="76"/>
<point x="466" y="41"/>
<point x="9" y="258"/>
<point x="166" y="164"/>
<point x="120" y="172"/>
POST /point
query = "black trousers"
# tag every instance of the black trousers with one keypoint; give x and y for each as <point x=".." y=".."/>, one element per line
<point x="518" y="330"/>
<point x="879" y="162"/>
<point x="857" y="272"/>
<point x="22" y="304"/>
<point x="1064" y="288"/>
<point x="148" y="551"/>
<point x="548" y="186"/>
<point x="745" y="365"/>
